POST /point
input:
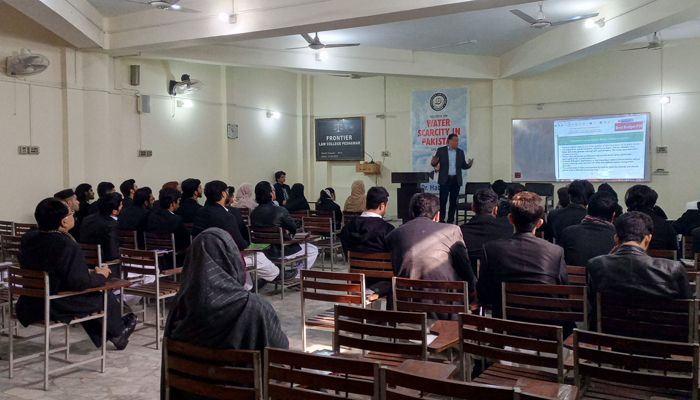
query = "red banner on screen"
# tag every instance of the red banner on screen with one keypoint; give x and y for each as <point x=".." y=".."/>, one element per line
<point x="629" y="126"/>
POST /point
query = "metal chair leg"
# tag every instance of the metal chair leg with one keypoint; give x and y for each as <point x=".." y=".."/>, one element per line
<point x="67" y="341"/>
<point x="47" y="336"/>
<point x="157" y="323"/>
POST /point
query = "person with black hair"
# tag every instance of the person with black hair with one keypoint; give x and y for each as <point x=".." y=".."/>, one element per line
<point x="557" y="220"/>
<point x="135" y="218"/>
<point x="83" y="193"/>
<point x="296" y="200"/>
<point x="425" y="249"/>
<point x="102" y="228"/>
<point x="500" y="187"/>
<point x="191" y="191"/>
<point x="68" y="196"/>
<point x="282" y="191"/>
<point x="268" y="214"/>
<point x="103" y="188"/>
<point x="605" y="187"/>
<point x="642" y="198"/>
<point x="484" y="227"/>
<point x="563" y="197"/>
<point x="595" y="235"/>
<point x="504" y="204"/>
<point x="630" y="272"/>
<point x="523" y="257"/>
<point x="326" y="202"/>
<point x="128" y="189"/>
<point x="51" y="249"/>
<point x="451" y="161"/>
<point x="164" y="219"/>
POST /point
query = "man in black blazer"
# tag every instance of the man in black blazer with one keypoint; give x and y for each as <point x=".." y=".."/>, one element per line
<point x="523" y="257"/>
<point x="579" y="193"/>
<point x="425" y="249"/>
<point x="135" y="218"/>
<point x="191" y="191"/>
<point x="451" y="161"/>
<point x="103" y="188"/>
<point x="215" y="214"/>
<point x="128" y="189"/>
<point x="484" y="227"/>
<point x="102" y="228"/>
<point x="595" y="235"/>
<point x="164" y="220"/>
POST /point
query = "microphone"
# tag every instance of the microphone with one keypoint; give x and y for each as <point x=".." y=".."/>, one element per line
<point x="371" y="162"/>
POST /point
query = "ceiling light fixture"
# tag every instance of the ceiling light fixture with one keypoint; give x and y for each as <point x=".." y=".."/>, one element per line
<point x="175" y="6"/>
<point x="665" y="99"/>
<point x="226" y="17"/>
<point x="321" y="56"/>
<point x="185" y="103"/>
<point x="590" y="23"/>
<point x="274" y="114"/>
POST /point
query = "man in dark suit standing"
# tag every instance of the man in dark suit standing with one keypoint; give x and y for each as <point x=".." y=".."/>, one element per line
<point x="484" y="227"/>
<point x="452" y="161"/>
<point x="424" y="249"/>
<point x="191" y="191"/>
<point x="523" y="257"/>
<point x="579" y="193"/>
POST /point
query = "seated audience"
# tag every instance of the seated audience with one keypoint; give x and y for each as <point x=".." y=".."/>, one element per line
<point x="68" y="196"/>
<point x="102" y="228"/>
<point x="605" y="187"/>
<point x="579" y="193"/>
<point x="128" y="188"/>
<point x="642" y="198"/>
<point x="172" y="184"/>
<point x="563" y="196"/>
<point x="423" y="248"/>
<point x="657" y="209"/>
<point x="297" y="201"/>
<point x="357" y="200"/>
<point x="103" y="188"/>
<point x="326" y="202"/>
<point x="282" y="191"/>
<point x="191" y="191"/>
<point x="630" y="272"/>
<point x="595" y="235"/>
<point x="51" y="249"/>
<point x="687" y="222"/>
<point x="268" y="214"/>
<point x="500" y="187"/>
<point x="484" y="226"/>
<point x="504" y="204"/>
<point x="244" y="197"/>
<point x="84" y="193"/>
<point x="523" y="257"/>
<point x="164" y="219"/>
<point x="695" y="233"/>
<point x="135" y="218"/>
<point x="212" y="309"/>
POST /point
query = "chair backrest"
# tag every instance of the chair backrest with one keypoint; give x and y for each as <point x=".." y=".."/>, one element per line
<point x="546" y="304"/>
<point x="542" y="189"/>
<point x="319" y="224"/>
<point x="694" y="281"/>
<point x="334" y="287"/>
<point x="245" y="213"/>
<point x="266" y="234"/>
<point x="22" y="228"/>
<point x="354" y="326"/>
<point x="7" y="228"/>
<point x="400" y="385"/>
<point x="348" y="215"/>
<point x="506" y="340"/>
<point x="217" y="373"/>
<point x="26" y="282"/>
<point x="667" y="254"/>
<point x="472" y="187"/>
<point x="672" y="320"/>
<point x="449" y="297"/>
<point x="92" y="253"/>
<point x="687" y="246"/>
<point x="290" y="374"/>
<point x="320" y="213"/>
<point x="159" y="241"/>
<point x="622" y="359"/>
<point x="10" y="247"/>
<point x="141" y="262"/>
<point x="298" y="215"/>
<point x="128" y="239"/>
<point x="577" y="275"/>
<point x="373" y="265"/>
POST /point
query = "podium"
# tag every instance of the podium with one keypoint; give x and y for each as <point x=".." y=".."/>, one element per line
<point x="410" y="185"/>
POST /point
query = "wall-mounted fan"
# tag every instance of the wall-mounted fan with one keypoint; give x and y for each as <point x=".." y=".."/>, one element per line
<point x="185" y="86"/>
<point x="315" y="43"/>
<point x="168" y="5"/>
<point x="542" y="22"/>
<point x="26" y="63"/>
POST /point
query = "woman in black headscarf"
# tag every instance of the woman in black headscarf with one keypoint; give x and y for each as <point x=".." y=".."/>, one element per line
<point x="326" y="202"/>
<point x="296" y="200"/>
<point x="604" y="187"/>
<point x="212" y="309"/>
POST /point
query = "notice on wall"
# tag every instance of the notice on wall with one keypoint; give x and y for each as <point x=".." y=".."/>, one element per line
<point x="339" y="139"/>
<point x="435" y="114"/>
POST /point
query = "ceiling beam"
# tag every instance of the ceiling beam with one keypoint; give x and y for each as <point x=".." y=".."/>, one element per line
<point x="368" y="61"/>
<point x="153" y="29"/>
<point x="76" y="21"/>
<point x="626" y="20"/>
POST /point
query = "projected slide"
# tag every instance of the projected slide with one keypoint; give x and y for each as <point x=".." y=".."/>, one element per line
<point x="600" y="148"/>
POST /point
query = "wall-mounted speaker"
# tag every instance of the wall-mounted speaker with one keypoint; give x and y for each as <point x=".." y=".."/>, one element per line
<point x="135" y="75"/>
<point x="143" y="104"/>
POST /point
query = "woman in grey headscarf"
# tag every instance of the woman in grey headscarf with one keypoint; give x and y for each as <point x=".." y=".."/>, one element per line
<point x="212" y="309"/>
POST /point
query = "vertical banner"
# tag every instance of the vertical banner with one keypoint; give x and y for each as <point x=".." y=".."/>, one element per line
<point x="435" y="114"/>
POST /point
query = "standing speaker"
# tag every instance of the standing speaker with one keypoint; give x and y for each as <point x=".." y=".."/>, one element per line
<point x="143" y="104"/>
<point x="135" y="75"/>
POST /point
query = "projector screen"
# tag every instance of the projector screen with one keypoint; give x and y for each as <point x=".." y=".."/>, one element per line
<point x="601" y="148"/>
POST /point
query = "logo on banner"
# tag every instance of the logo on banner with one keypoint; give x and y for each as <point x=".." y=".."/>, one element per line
<point x="438" y="102"/>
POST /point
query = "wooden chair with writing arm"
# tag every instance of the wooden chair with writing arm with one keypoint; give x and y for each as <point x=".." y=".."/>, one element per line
<point x="22" y="228"/>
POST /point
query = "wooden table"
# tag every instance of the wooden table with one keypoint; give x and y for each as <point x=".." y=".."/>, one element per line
<point x="110" y="284"/>
<point x="428" y="369"/>
<point x="547" y="389"/>
<point x="448" y="335"/>
<point x="254" y="250"/>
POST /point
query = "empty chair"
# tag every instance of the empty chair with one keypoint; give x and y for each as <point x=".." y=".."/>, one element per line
<point x="440" y="299"/>
<point x="130" y="239"/>
<point x="7" y="228"/>
<point x="164" y="244"/>
<point x="10" y="247"/>
<point x="325" y="226"/>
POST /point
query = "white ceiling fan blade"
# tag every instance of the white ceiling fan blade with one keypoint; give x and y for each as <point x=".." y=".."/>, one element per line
<point x="447" y="45"/>
<point x="297" y="48"/>
<point x="185" y="10"/>
<point x="331" y="46"/>
<point x="524" y="16"/>
<point x="308" y="38"/>
<point x="573" y="19"/>
<point x="636" y="48"/>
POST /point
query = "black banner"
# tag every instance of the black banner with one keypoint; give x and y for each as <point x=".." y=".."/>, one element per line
<point x="340" y="139"/>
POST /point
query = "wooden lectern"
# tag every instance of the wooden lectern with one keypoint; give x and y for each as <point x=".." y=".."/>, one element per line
<point x="410" y="185"/>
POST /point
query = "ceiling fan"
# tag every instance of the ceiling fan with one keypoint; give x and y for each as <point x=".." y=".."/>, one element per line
<point x="353" y="76"/>
<point x="315" y="43"/>
<point x="168" y="5"/>
<point x="448" y="45"/>
<point x="542" y="22"/>
<point x="655" y="43"/>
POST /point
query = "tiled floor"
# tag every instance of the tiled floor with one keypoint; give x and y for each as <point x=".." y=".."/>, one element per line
<point x="133" y="373"/>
